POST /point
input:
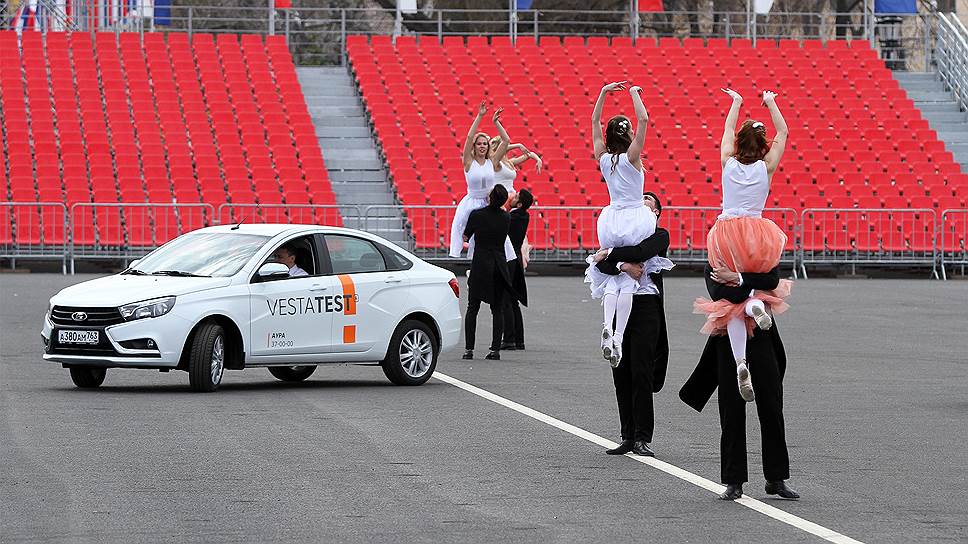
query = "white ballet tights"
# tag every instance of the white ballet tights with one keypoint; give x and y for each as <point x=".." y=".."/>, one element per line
<point x="736" y="330"/>
<point x="618" y="308"/>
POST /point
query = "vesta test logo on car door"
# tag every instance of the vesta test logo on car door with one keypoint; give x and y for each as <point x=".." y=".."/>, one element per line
<point x="345" y="303"/>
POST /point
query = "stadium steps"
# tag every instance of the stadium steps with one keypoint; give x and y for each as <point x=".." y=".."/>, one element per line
<point x="354" y="164"/>
<point x="940" y="110"/>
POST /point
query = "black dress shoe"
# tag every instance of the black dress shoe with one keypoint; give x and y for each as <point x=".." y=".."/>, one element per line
<point x="519" y="347"/>
<point x="469" y="354"/>
<point x="733" y="492"/>
<point x="780" y="488"/>
<point x="508" y="347"/>
<point x="493" y="356"/>
<point x="622" y="449"/>
<point x="641" y="447"/>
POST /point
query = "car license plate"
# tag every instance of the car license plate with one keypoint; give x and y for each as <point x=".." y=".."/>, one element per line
<point x="78" y="337"/>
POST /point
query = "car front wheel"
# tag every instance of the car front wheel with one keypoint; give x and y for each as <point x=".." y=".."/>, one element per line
<point x="412" y="355"/>
<point x="88" y="378"/>
<point x="206" y="361"/>
<point x="292" y="373"/>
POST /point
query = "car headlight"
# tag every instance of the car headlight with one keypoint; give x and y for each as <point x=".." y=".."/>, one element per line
<point x="155" y="307"/>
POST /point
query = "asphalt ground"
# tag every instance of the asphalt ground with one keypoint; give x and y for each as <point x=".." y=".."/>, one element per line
<point x="876" y="399"/>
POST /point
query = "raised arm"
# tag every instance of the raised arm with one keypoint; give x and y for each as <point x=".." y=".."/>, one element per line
<point x="502" y="148"/>
<point x="525" y="155"/>
<point x="728" y="145"/>
<point x="598" y="140"/>
<point x="468" y="154"/>
<point x="641" y="125"/>
<point x="772" y="158"/>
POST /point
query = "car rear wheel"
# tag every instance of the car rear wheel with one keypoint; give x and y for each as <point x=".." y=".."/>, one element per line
<point x="206" y="361"/>
<point x="292" y="373"/>
<point x="412" y="355"/>
<point x="88" y="378"/>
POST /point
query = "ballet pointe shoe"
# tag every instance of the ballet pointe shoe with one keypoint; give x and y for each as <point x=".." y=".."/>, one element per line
<point x="762" y="317"/>
<point x="616" y="357"/>
<point x="607" y="343"/>
<point x="744" y="381"/>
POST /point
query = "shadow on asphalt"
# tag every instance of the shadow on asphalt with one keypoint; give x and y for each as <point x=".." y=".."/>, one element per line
<point x="230" y="388"/>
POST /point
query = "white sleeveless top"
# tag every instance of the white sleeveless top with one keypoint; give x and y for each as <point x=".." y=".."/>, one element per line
<point x="480" y="179"/>
<point x="745" y="188"/>
<point x="505" y="176"/>
<point x="625" y="184"/>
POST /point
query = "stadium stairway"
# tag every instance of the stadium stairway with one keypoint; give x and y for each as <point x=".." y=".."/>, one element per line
<point x="941" y="111"/>
<point x="354" y="164"/>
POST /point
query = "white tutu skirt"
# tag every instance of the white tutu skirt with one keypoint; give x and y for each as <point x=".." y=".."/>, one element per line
<point x="464" y="208"/>
<point x="622" y="226"/>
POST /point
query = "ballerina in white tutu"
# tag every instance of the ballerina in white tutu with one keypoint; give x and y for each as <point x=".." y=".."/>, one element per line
<point x="626" y="221"/>
<point x="480" y="166"/>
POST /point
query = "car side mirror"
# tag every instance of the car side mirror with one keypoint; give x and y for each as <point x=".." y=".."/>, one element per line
<point x="273" y="271"/>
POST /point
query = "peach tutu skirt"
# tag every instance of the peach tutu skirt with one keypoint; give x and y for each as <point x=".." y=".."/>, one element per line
<point x="743" y="244"/>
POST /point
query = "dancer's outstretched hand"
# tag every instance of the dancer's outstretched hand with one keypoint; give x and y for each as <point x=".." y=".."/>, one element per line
<point x="482" y="109"/>
<point x="538" y="165"/>
<point x="735" y="95"/>
<point x="497" y="115"/>
<point x="769" y="97"/>
<point x="616" y="86"/>
<point x="635" y="89"/>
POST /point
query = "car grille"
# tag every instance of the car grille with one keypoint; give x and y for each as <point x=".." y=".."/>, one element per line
<point x="96" y="317"/>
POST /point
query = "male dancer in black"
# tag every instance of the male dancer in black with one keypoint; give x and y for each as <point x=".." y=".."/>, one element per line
<point x="645" y="348"/>
<point x="513" y="321"/>
<point x="717" y="368"/>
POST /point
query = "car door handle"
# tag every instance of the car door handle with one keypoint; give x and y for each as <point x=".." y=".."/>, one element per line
<point x="392" y="279"/>
<point x="318" y="287"/>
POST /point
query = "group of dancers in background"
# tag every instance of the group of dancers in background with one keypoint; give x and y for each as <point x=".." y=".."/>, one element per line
<point x="744" y="251"/>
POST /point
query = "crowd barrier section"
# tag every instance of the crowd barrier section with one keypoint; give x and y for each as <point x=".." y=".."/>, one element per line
<point x="868" y="236"/>
<point x="953" y="246"/>
<point x="313" y="214"/>
<point x="817" y="236"/>
<point x="129" y="231"/>
<point x="34" y="230"/>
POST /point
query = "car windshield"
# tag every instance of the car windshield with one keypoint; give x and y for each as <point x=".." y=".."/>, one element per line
<point x="218" y="254"/>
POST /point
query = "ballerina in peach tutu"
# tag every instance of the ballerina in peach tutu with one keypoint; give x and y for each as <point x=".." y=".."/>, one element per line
<point x="742" y="240"/>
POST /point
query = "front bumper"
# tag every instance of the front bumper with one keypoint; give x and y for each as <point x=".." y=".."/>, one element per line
<point x="168" y="333"/>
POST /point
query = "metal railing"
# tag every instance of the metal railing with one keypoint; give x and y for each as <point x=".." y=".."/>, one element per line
<point x="952" y="57"/>
<point x="874" y="236"/>
<point x="953" y="246"/>
<point x="314" y="214"/>
<point x="317" y="35"/>
<point x="34" y="230"/>
<point x="817" y="237"/>
<point x="130" y="230"/>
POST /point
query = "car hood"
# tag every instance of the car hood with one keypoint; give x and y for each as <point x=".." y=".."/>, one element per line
<point x="118" y="290"/>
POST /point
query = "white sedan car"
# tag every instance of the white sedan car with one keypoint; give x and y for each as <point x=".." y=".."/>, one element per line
<point x="286" y="297"/>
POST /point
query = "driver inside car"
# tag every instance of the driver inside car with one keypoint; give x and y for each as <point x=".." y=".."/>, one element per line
<point x="287" y="256"/>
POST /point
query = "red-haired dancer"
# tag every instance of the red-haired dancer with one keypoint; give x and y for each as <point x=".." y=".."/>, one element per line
<point x="742" y="240"/>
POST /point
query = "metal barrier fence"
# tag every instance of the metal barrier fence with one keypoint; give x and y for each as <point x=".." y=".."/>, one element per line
<point x="317" y="35"/>
<point x="852" y="236"/>
<point x="314" y="214"/>
<point x="824" y="236"/>
<point x="127" y="231"/>
<point x="954" y="240"/>
<point x="34" y="230"/>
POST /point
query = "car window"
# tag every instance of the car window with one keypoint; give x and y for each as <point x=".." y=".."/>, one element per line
<point x="298" y="254"/>
<point x="351" y="255"/>
<point x="394" y="260"/>
<point x="218" y="254"/>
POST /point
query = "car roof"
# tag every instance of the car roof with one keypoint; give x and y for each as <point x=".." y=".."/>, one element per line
<point x="275" y="229"/>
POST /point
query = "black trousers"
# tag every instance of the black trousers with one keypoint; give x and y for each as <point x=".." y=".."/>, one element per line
<point x="513" y="321"/>
<point x="768" y="387"/>
<point x="497" y="320"/>
<point x="634" y="376"/>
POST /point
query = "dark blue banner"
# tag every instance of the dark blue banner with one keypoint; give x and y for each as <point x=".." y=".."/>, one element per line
<point x="895" y="6"/>
<point x="162" y="12"/>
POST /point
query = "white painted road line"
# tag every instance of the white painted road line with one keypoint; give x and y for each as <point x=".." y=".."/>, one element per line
<point x="753" y="504"/>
